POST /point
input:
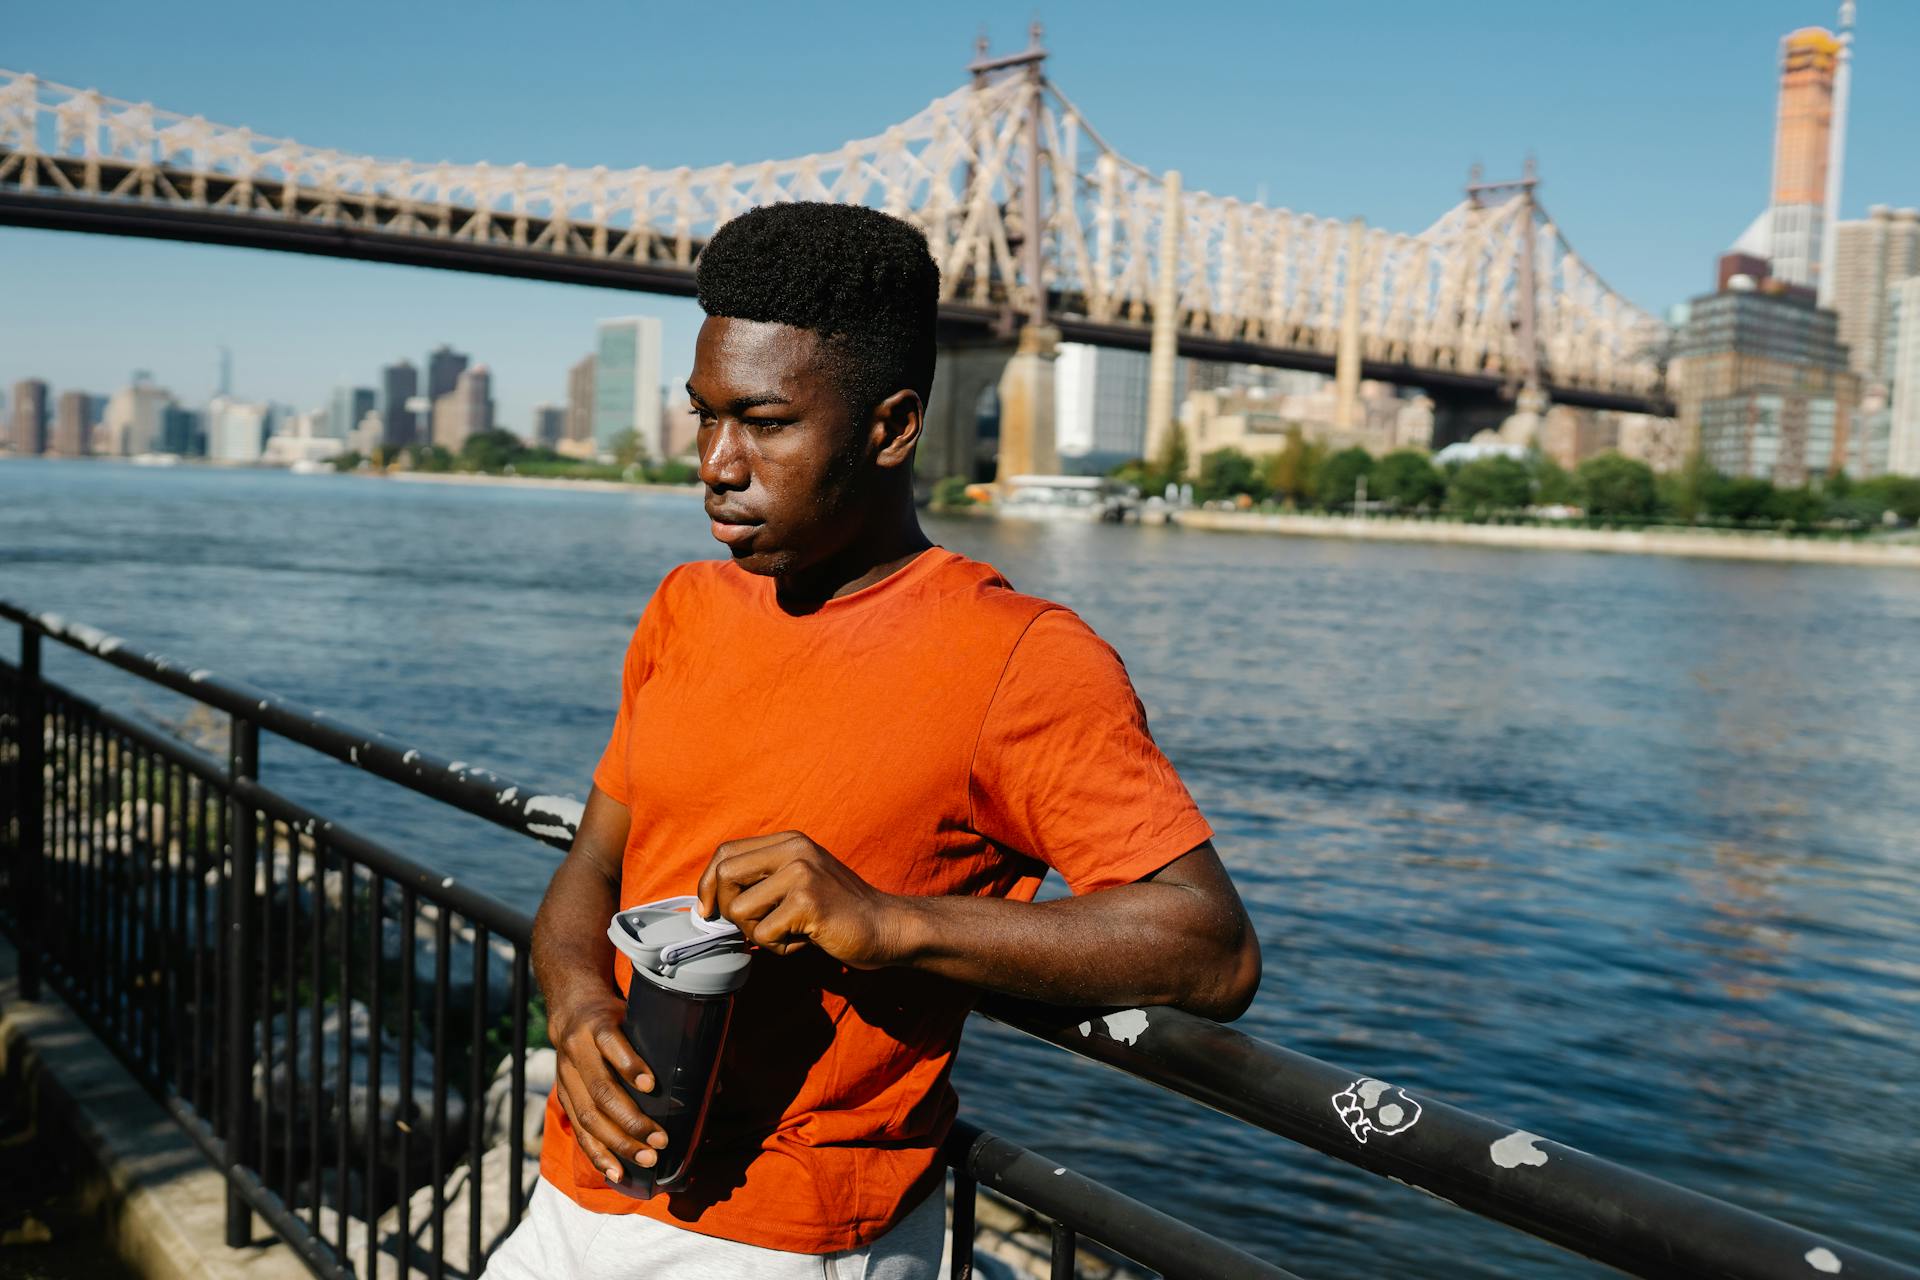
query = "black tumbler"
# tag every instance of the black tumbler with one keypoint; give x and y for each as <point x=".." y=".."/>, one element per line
<point x="685" y="973"/>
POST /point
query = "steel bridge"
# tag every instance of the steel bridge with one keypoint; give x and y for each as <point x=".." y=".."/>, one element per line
<point x="1036" y="222"/>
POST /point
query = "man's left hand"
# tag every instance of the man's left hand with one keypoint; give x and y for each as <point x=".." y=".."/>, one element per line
<point x="786" y="892"/>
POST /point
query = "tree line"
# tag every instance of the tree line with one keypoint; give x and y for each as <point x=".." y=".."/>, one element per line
<point x="499" y="453"/>
<point x="1309" y="476"/>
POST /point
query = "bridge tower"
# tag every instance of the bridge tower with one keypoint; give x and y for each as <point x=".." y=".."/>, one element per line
<point x="1525" y="388"/>
<point x="1027" y="441"/>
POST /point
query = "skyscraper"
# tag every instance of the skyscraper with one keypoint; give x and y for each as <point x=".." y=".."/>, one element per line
<point x="29" y="434"/>
<point x="1903" y="370"/>
<point x="580" y="400"/>
<point x="398" y="383"/>
<point x="1809" y="60"/>
<point x="1765" y="389"/>
<point x="444" y="367"/>
<point x="1100" y="406"/>
<point x="626" y="383"/>
<point x="134" y="419"/>
<point x="236" y="430"/>
<point x="1871" y="257"/>
<point x="1795" y="231"/>
<point x="344" y="411"/>
<point x="549" y="424"/>
<point x="182" y="431"/>
<point x="464" y="411"/>
<point x="72" y="424"/>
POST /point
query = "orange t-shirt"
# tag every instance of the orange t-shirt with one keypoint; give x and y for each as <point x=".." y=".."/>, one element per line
<point x="937" y="732"/>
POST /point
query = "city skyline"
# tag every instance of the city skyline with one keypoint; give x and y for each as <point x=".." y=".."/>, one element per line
<point x="207" y="296"/>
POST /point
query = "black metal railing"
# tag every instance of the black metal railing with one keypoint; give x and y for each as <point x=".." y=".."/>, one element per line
<point x="346" y="1032"/>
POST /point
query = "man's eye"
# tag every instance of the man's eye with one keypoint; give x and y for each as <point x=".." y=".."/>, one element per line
<point x="766" y="424"/>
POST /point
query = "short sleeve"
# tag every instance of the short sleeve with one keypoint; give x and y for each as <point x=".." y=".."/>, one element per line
<point x="1065" y="770"/>
<point x="643" y="650"/>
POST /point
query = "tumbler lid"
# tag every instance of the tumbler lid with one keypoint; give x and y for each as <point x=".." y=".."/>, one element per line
<point x="675" y="948"/>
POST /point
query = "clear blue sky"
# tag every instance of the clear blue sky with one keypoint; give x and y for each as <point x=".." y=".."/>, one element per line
<point x="1652" y="123"/>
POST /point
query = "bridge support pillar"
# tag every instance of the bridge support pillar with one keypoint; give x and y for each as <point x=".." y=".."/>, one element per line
<point x="1165" y="349"/>
<point x="1026" y="407"/>
<point x="1346" y="356"/>
<point x="961" y="435"/>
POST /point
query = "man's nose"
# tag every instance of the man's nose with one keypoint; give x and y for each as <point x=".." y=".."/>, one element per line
<point x="723" y="462"/>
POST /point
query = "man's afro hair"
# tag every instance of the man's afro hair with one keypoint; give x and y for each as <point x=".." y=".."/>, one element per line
<point x="861" y="278"/>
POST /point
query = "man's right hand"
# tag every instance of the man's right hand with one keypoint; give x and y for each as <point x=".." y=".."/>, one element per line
<point x="593" y="1058"/>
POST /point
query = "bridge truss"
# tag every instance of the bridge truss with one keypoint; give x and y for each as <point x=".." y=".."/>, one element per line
<point x="1030" y="213"/>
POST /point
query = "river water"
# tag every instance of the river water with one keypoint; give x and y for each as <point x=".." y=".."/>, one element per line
<point x="1623" y="850"/>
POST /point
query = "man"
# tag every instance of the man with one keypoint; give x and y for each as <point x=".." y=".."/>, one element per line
<point x="865" y="751"/>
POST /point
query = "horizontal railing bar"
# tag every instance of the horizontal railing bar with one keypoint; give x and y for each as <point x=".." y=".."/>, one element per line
<point x="432" y="886"/>
<point x="1630" y="1220"/>
<point x="1141" y="1232"/>
<point x="547" y="818"/>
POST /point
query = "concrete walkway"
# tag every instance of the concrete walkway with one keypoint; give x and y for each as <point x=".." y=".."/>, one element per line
<point x="160" y="1205"/>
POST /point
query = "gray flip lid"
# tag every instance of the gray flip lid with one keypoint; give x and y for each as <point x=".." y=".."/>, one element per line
<point x="674" y="948"/>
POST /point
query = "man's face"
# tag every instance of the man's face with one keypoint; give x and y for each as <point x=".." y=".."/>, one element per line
<point x="781" y="456"/>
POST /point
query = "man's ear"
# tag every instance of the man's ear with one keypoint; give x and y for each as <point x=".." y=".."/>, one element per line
<point x="895" y="429"/>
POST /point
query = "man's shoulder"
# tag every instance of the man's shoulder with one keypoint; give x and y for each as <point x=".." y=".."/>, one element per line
<point x="968" y="591"/>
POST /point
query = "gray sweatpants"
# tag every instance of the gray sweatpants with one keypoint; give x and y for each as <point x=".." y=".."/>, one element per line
<point x="559" y="1240"/>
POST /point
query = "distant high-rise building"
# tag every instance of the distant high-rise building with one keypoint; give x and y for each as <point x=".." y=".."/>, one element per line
<point x="182" y="431"/>
<point x="29" y="434"/>
<point x="1099" y="406"/>
<point x="444" y="367"/>
<point x="399" y="382"/>
<point x="580" y="400"/>
<point x="1795" y="231"/>
<point x="626" y="383"/>
<point x="1870" y="257"/>
<point x="1809" y="61"/>
<point x="1903" y="371"/>
<point x="133" y="420"/>
<point x="236" y="430"/>
<point x="680" y="429"/>
<point x="464" y="411"/>
<point x="1764" y="387"/>
<point x="549" y="424"/>
<point x="345" y="409"/>
<point x="73" y="421"/>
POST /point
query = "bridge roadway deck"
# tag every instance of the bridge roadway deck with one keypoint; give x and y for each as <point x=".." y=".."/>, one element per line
<point x="666" y="269"/>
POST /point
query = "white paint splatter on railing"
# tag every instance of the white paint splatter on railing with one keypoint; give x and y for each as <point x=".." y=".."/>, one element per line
<point x="1516" y="1149"/>
<point x="565" y="811"/>
<point x="1824" y="1260"/>
<point x="1369" y="1106"/>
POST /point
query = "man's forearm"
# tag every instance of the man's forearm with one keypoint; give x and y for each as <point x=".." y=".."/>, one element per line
<point x="570" y="947"/>
<point x="1138" y="944"/>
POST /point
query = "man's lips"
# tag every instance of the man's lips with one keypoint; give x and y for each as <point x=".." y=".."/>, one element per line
<point x="730" y="528"/>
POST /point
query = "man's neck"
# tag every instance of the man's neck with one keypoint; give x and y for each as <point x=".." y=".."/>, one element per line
<point x="885" y="546"/>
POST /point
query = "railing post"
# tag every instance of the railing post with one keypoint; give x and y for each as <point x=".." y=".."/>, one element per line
<point x="29" y="797"/>
<point x="236" y="1067"/>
